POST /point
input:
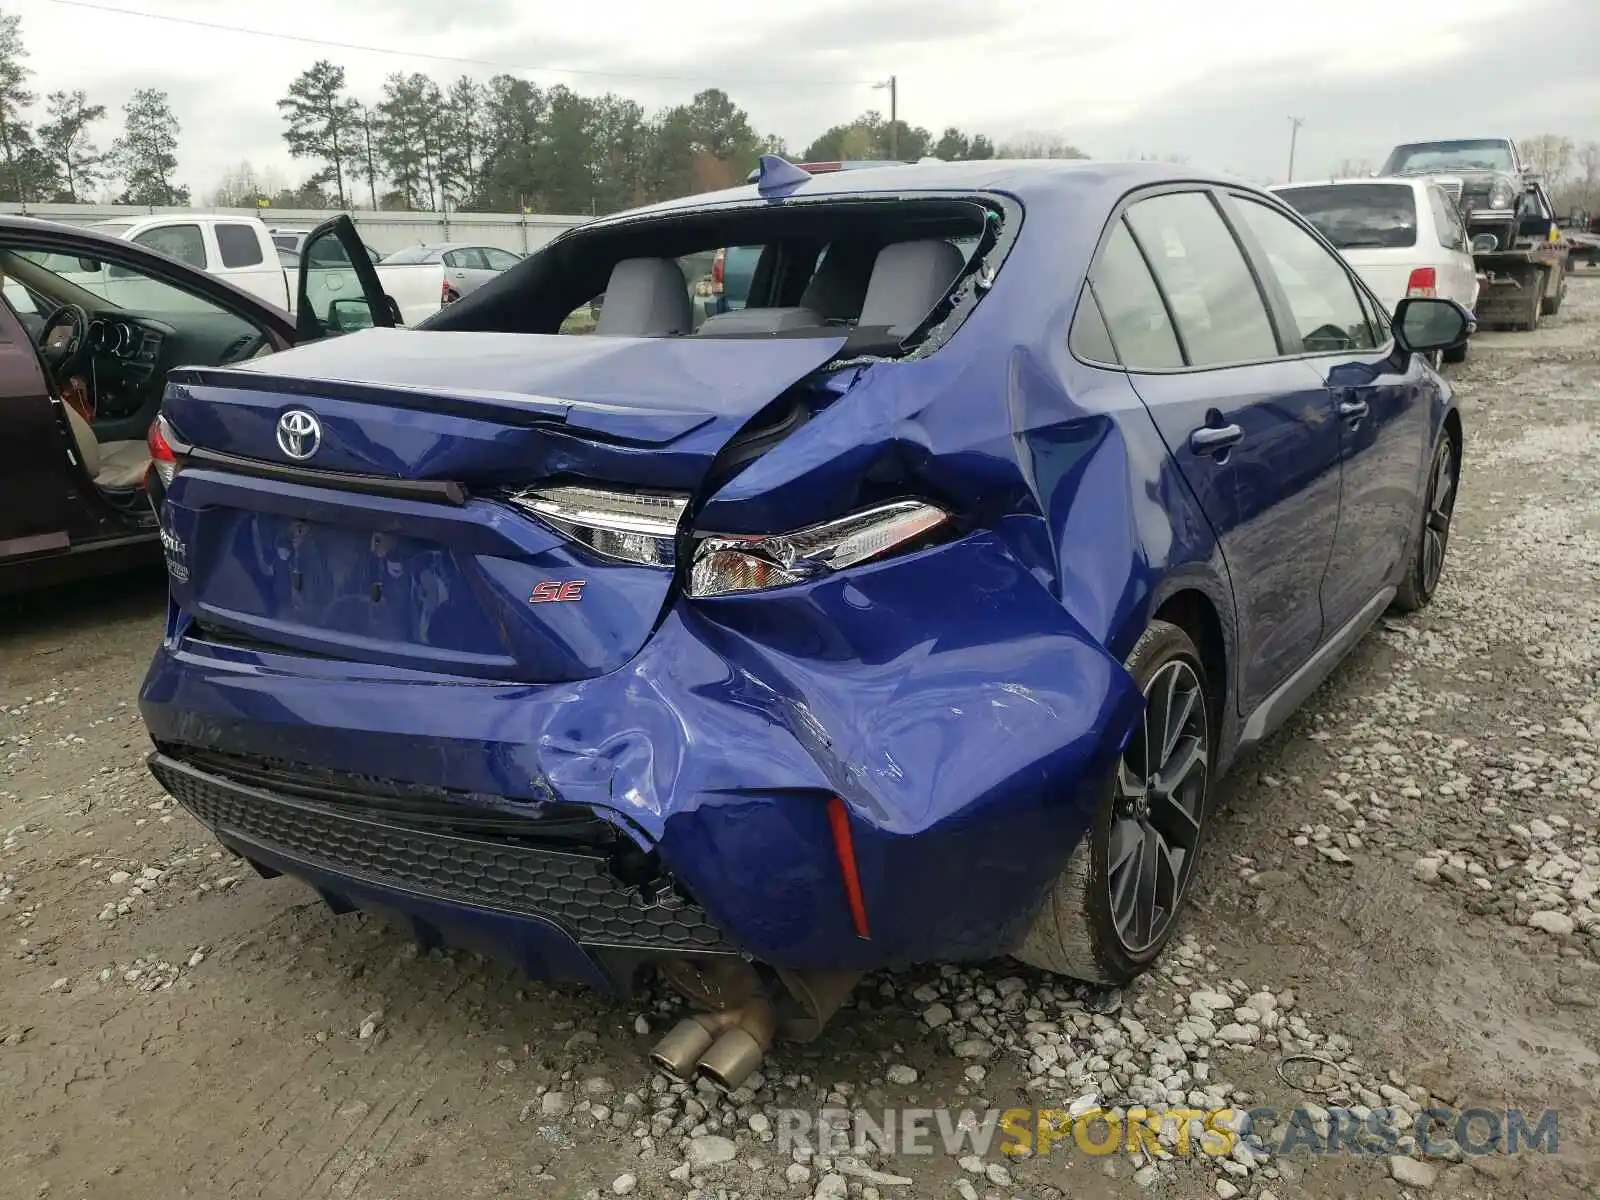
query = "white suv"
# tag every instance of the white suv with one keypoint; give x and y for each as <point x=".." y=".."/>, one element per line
<point x="1403" y="236"/>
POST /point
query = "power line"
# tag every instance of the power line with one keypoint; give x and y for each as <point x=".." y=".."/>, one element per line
<point x="447" y="58"/>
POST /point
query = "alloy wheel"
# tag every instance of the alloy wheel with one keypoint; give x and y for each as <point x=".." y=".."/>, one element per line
<point x="1159" y="807"/>
<point x="1436" y="525"/>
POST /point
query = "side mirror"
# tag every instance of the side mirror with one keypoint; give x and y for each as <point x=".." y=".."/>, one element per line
<point x="1424" y="324"/>
<point x="349" y="315"/>
<point x="89" y="266"/>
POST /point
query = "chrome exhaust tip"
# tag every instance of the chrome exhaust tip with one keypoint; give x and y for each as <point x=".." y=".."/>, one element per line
<point x="731" y="1059"/>
<point x="739" y="1050"/>
<point x="679" y="1052"/>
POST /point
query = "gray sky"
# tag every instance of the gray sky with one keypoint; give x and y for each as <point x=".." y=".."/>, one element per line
<point x="1214" y="81"/>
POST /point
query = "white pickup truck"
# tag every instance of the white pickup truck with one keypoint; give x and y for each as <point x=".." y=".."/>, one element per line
<point x="242" y="251"/>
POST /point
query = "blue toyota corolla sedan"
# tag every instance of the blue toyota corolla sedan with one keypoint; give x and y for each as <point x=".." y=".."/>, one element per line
<point x="910" y="612"/>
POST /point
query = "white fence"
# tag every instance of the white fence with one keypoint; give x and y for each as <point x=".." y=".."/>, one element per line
<point x="383" y="231"/>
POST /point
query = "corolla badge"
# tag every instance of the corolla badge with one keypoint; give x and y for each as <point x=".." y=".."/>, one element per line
<point x="299" y="433"/>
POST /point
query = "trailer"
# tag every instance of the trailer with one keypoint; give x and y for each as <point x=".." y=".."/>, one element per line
<point x="1519" y="287"/>
<point x="1585" y="245"/>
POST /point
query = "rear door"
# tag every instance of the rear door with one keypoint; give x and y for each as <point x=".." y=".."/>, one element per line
<point x="1253" y="433"/>
<point x="466" y="269"/>
<point x="1382" y="418"/>
<point x="337" y="290"/>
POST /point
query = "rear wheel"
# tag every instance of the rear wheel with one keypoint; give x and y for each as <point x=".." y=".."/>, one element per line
<point x="1535" y="304"/>
<point x="1551" y="304"/>
<point x="1116" y="903"/>
<point x="1426" y="566"/>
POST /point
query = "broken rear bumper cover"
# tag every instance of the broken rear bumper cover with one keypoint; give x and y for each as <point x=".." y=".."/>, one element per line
<point x="963" y="718"/>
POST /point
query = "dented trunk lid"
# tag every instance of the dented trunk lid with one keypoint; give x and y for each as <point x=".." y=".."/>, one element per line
<point x="392" y="541"/>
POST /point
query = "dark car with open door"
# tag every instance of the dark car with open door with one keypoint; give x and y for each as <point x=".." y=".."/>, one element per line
<point x="84" y="359"/>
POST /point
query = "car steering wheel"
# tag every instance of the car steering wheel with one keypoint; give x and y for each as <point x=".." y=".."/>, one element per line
<point x="72" y="355"/>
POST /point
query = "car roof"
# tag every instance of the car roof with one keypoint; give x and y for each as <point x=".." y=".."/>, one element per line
<point x="1021" y="178"/>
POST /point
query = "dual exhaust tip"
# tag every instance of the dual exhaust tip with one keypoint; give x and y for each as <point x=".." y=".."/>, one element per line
<point x="723" y="1047"/>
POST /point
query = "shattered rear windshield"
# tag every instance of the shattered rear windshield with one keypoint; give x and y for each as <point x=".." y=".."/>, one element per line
<point x="884" y="272"/>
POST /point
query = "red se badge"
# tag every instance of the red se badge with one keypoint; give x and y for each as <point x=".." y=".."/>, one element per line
<point x="553" y="591"/>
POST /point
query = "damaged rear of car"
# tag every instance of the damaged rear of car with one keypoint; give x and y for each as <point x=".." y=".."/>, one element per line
<point x="762" y="649"/>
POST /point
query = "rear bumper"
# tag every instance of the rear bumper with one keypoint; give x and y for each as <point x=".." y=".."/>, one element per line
<point x="559" y="913"/>
<point x="962" y="716"/>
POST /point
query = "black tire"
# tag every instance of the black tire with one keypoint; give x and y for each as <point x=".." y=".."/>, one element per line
<point x="1551" y="305"/>
<point x="1077" y="932"/>
<point x="1457" y="354"/>
<point x="1431" y="535"/>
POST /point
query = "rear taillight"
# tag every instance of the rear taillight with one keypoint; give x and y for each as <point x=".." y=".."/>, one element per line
<point x="448" y="294"/>
<point x="718" y="272"/>
<point x="165" y="456"/>
<point x="1424" y="281"/>
<point x="729" y="563"/>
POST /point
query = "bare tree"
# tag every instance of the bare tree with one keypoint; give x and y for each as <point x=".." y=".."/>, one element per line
<point x="1550" y="155"/>
<point x="1351" y="168"/>
<point x="1035" y="144"/>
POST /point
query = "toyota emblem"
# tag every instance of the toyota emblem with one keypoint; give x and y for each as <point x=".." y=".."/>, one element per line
<point x="299" y="433"/>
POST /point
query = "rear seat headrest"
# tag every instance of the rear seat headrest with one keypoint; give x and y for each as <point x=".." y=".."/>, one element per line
<point x="908" y="279"/>
<point x="646" y="297"/>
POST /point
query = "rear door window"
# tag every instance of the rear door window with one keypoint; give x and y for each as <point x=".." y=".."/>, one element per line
<point x="1135" y="317"/>
<point x="468" y="259"/>
<point x="1090" y="340"/>
<point x="1205" y="279"/>
<point x="1359" y="216"/>
<point x="239" y="246"/>
<point x="182" y="242"/>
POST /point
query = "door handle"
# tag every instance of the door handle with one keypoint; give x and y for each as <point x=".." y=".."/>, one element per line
<point x="1353" y="410"/>
<point x="1215" y="439"/>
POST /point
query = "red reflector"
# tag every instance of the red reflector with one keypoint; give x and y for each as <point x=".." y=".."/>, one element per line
<point x="1424" y="282"/>
<point x="845" y="848"/>
<point x="717" y="267"/>
<point x="447" y="294"/>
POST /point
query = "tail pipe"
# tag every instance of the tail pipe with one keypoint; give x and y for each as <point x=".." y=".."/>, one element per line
<point x="726" y="1044"/>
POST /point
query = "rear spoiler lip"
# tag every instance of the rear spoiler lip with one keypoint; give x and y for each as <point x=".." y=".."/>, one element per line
<point x="438" y="491"/>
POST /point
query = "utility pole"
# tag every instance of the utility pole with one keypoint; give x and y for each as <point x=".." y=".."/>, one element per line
<point x="1294" y="132"/>
<point x="894" y="115"/>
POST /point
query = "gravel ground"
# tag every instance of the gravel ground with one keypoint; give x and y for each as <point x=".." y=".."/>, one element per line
<point x="1404" y="884"/>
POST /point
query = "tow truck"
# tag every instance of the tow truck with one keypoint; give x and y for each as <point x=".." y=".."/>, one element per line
<point x="1517" y="243"/>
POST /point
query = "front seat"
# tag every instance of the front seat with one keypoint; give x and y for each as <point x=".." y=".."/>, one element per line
<point x="908" y="280"/>
<point x="646" y="297"/>
<point x="115" y="466"/>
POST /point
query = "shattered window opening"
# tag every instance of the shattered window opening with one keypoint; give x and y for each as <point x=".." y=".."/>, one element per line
<point x="812" y="267"/>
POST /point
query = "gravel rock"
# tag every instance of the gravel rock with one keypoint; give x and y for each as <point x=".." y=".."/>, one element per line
<point x="709" y="1150"/>
<point x="1552" y="922"/>
<point x="1412" y="1172"/>
<point x="623" y="1185"/>
<point x="936" y="1015"/>
<point x="901" y="1075"/>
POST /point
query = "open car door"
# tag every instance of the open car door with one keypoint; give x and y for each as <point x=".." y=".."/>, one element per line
<point x="338" y="289"/>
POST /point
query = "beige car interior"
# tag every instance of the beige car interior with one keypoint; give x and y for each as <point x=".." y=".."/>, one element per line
<point x="115" y="466"/>
<point x="112" y="465"/>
